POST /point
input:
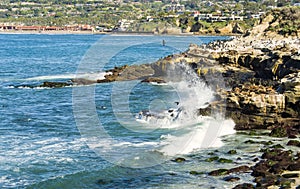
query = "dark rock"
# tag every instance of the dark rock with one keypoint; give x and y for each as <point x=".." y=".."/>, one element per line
<point x="294" y="167"/>
<point x="196" y="173"/>
<point x="49" y="84"/>
<point x="284" y="182"/>
<point x="250" y="142"/>
<point x="279" y="132"/>
<point x="240" y="169"/>
<point x="196" y="27"/>
<point x="260" y="169"/>
<point x="231" y="179"/>
<point x="294" y="143"/>
<point x="266" y="181"/>
<point x="244" y="186"/>
<point x="212" y="159"/>
<point x="104" y="182"/>
<point x="292" y="136"/>
<point x="277" y="155"/>
<point x="237" y="29"/>
<point x="292" y="132"/>
<point x="252" y="133"/>
<point x="219" y="172"/>
<point x="278" y="168"/>
<point x="223" y="160"/>
<point x="232" y="152"/>
<point x="277" y="146"/>
<point x="204" y="111"/>
<point x="153" y="79"/>
<point x="179" y="160"/>
<point x="172" y="173"/>
<point x="267" y="142"/>
<point x="255" y="159"/>
<point x="291" y="175"/>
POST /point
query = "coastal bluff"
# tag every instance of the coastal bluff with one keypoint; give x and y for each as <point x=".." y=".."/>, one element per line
<point x="261" y="69"/>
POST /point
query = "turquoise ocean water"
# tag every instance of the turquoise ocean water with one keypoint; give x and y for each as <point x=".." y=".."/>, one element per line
<point x="41" y="145"/>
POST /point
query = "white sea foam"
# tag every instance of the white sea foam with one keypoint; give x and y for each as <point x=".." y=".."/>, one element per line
<point x="88" y="76"/>
<point x="205" y="135"/>
<point x="51" y="77"/>
<point x="159" y="84"/>
<point x="189" y="131"/>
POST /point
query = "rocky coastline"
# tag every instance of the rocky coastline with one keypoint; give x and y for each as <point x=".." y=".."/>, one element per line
<point x="260" y="74"/>
<point x="262" y="70"/>
<point x="259" y="89"/>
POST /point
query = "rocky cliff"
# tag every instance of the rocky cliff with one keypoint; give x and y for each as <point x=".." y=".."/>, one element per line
<point x="262" y="69"/>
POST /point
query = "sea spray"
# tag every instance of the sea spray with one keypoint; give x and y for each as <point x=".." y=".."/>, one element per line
<point x="196" y="132"/>
<point x="186" y="130"/>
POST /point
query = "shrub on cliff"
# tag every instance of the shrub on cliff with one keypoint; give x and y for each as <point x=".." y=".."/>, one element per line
<point x="286" y="21"/>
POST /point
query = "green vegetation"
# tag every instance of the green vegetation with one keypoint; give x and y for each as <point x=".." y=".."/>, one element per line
<point x="145" y="15"/>
<point x="290" y="24"/>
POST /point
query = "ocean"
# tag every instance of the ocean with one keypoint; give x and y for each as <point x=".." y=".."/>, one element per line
<point x="90" y="136"/>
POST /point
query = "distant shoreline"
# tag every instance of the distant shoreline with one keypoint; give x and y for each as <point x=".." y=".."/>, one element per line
<point x="104" y="33"/>
<point x="48" y="32"/>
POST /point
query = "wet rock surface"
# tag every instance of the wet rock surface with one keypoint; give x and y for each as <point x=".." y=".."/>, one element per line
<point x="276" y="167"/>
<point x="272" y="169"/>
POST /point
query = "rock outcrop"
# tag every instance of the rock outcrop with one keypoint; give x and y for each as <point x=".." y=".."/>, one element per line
<point x="226" y="30"/>
<point x="261" y="69"/>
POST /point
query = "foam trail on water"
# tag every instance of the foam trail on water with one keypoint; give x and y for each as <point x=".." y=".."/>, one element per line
<point x="51" y="77"/>
<point x="88" y="76"/>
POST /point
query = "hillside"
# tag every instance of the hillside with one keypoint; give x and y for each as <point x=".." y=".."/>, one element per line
<point x="281" y="21"/>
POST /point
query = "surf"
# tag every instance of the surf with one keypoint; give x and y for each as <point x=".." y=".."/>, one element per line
<point x="183" y="130"/>
<point x="88" y="76"/>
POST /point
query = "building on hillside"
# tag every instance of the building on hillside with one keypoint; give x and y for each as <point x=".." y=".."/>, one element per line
<point x="175" y="7"/>
<point x="123" y="25"/>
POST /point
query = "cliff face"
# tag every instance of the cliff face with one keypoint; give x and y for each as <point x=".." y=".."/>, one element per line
<point x="262" y="69"/>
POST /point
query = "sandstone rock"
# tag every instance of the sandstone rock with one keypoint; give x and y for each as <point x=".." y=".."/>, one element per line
<point x="226" y="30"/>
<point x="259" y="29"/>
<point x="82" y="81"/>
